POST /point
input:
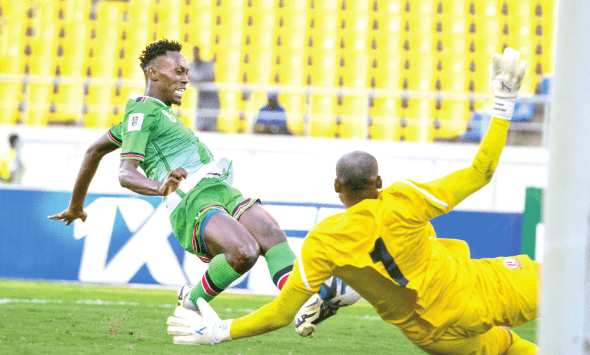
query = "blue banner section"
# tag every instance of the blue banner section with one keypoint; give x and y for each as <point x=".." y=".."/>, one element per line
<point x="128" y="239"/>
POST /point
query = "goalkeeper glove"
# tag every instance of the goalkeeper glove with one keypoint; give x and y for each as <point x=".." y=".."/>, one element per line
<point x="196" y="329"/>
<point x="506" y="76"/>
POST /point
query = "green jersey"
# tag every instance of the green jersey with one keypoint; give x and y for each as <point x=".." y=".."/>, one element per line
<point x="152" y="134"/>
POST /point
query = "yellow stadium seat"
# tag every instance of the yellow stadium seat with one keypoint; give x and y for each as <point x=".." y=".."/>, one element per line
<point x="99" y="105"/>
<point x="354" y="114"/>
<point x="140" y="13"/>
<point x="227" y="67"/>
<point x="38" y="100"/>
<point x="453" y="116"/>
<point x="356" y="68"/>
<point x="10" y="96"/>
<point x="385" y="119"/>
<point x="420" y="76"/>
<point x="418" y="116"/>
<point x="389" y="71"/>
<point x="324" y="69"/>
<point x="228" y="120"/>
<point x="68" y="100"/>
<point x="294" y="105"/>
<point x="12" y="43"/>
<point x="322" y="120"/>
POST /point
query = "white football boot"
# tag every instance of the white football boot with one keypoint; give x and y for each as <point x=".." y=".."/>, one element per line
<point x="332" y="295"/>
<point x="184" y="298"/>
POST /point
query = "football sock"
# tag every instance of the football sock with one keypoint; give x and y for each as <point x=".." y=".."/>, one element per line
<point x="521" y="347"/>
<point x="280" y="259"/>
<point x="218" y="276"/>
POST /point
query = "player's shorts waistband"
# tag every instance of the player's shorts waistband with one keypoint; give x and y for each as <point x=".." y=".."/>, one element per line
<point x="213" y="169"/>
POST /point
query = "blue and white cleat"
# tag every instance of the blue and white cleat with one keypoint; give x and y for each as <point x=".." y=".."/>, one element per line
<point x="333" y="294"/>
<point x="184" y="298"/>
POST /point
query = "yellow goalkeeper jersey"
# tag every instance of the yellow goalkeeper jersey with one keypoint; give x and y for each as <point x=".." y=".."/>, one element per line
<point x="387" y="250"/>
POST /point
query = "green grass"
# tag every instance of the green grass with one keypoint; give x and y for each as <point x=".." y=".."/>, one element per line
<point x="54" y="318"/>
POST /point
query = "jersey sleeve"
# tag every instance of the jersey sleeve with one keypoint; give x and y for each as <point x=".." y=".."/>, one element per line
<point x="137" y="128"/>
<point x="115" y="134"/>
<point x="312" y="268"/>
<point x="420" y="202"/>
<point x="416" y="202"/>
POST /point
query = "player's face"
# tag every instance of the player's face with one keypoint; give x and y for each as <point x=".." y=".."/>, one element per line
<point x="172" y="77"/>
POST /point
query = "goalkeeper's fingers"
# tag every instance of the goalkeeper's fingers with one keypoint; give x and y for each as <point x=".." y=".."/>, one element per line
<point x="180" y="330"/>
<point x="496" y="67"/>
<point x="184" y="313"/>
<point x="520" y="73"/>
<point x="178" y="322"/>
<point x="510" y="62"/>
<point x="206" y="310"/>
<point x="185" y="340"/>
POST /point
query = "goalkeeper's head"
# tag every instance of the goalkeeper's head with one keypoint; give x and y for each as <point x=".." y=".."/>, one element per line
<point x="165" y="70"/>
<point x="357" y="178"/>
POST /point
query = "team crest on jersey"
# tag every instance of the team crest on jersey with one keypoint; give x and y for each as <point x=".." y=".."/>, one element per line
<point x="512" y="264"/>
<point x="135" y="122"/>
<point x="170" y="117"/>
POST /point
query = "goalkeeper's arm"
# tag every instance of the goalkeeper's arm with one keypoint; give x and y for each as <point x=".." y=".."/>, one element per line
<point x="275" y="315"/>
<point x="505" y="79"/>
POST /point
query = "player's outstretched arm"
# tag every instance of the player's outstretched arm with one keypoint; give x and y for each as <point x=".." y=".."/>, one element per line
<point x="132" y="179"/>
<point x="90" y="163"/>
<point x="506" y="74"/>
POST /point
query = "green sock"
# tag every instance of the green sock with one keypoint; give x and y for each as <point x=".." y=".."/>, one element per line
<point x="218" y="276"/>
<point x="280" y="259"/>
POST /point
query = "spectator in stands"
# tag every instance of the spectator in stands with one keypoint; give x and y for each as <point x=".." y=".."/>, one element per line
<point x="203" y="72"/>
<point x="271" y="118"/>
<point x="11" y="166"/>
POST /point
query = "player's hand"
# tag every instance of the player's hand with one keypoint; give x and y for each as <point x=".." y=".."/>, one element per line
<point x="202" y="328"/>
<point x="506" y="74"/>
<point x="172" y="181"/>
<point x="70" y="215"/>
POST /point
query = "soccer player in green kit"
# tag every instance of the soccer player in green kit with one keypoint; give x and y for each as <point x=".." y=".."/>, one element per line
<point x="209" y="218"/>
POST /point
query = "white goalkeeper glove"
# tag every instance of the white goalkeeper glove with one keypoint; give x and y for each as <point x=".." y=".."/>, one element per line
<point x="193" y="328"/>
<point x="506" y="75"/>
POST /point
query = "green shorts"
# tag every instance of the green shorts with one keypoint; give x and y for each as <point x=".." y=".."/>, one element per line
<point x="209" y="197"/>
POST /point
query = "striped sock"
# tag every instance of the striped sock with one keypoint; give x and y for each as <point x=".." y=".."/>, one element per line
<point x="218" y="276"/>
<point x="280" y="259"/>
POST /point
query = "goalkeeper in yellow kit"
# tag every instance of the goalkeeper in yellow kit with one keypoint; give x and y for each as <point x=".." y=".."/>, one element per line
<point x="384" y="247"/>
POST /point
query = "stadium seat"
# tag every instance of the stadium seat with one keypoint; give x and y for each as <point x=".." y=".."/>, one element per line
<point x="356" y="68"/>
<point x="322" y="118"/>
<point x="68" y="100"/>
<point x="228" y="120"/>
<point x="12" y="43"/>
<point x="354" y="113"/>
<point x="38" y="101"/>
<point x="453" y="116"/>
<point x="418" y="116"/>
<point x="10" y="97"/>
<point x="384" y="116"/>
<point x="294" y="105"/>
<point x="99" y="106"/>
<point x="227" y="67"/>
<point x="389" y="71"/>
<point x="324" y="69"/>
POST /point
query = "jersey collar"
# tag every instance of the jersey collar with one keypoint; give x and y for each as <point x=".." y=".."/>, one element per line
<point x="133" y="96"/>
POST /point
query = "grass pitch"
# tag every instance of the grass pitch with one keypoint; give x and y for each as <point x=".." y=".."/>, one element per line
<point x="54" y="318"/>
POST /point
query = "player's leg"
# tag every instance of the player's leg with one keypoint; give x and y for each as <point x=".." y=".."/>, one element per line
<point x="272" y="241"/>
<point x="234" y="252"/>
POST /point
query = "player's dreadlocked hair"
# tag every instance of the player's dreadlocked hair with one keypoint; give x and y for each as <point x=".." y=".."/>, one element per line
<point x="157" y="49"/>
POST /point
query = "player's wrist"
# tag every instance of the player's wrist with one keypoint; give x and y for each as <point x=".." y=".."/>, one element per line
<point x="503" y="108"/>
<point x="221" y="331"/>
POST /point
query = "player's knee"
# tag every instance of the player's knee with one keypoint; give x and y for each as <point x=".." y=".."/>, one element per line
<point x="243" y="256"/>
